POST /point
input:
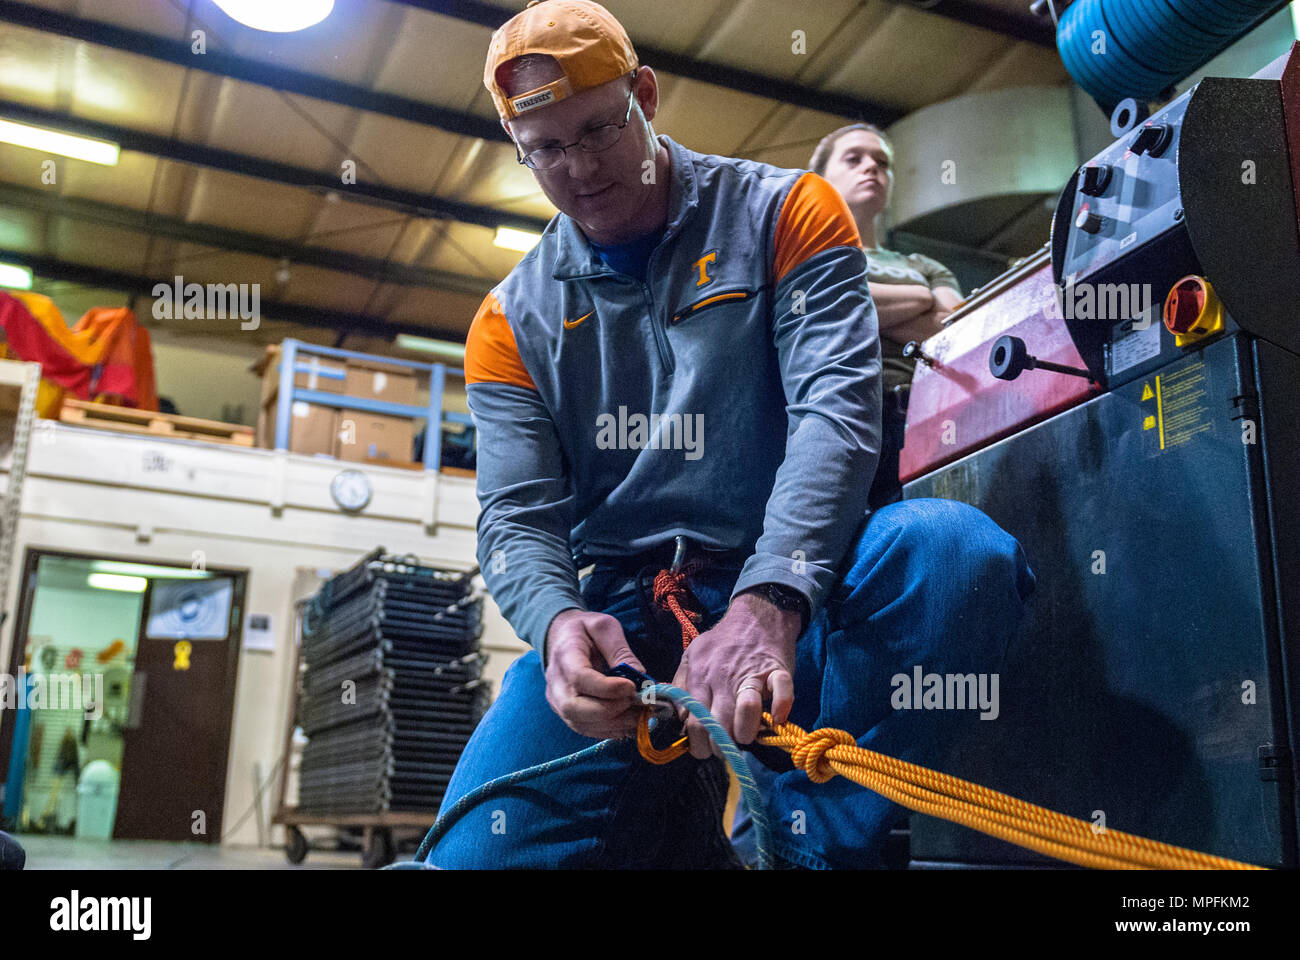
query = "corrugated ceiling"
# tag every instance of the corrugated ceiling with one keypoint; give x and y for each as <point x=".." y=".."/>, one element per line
<point x="92" y="60"/>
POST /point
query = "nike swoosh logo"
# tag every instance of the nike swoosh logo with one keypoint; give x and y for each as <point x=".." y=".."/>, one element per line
<point x="570" y="324"/>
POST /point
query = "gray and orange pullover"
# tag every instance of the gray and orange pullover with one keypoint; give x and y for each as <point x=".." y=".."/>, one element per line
<point x="734" y="397"/>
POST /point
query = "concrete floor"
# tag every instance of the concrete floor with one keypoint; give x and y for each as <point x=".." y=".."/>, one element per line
<point x="68" y="853"/>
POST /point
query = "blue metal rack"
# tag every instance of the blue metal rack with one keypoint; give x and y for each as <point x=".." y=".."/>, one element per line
<point x="290" y="363"/>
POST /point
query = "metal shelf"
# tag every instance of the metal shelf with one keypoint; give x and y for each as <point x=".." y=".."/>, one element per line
<point x="291" y="355"/>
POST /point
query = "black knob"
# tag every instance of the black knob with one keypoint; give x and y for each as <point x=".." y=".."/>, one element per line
<point x="1089" y="222"/>
<point x="1153" y="139"/>
<point x="1096" y="177"/>
<point x="1009" y="358"/>
<point x="913" y="349"/>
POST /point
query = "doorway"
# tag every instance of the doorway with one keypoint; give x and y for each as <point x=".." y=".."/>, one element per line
<point x="122" y="682"/>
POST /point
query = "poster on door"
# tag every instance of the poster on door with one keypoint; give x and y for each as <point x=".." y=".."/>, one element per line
<point x="190" y="609"/>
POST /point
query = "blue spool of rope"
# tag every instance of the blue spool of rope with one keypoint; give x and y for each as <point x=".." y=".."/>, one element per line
<point x="1149" y="44"/>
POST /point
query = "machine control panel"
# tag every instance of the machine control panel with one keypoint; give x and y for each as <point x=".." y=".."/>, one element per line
<point x="1125" y="196"/>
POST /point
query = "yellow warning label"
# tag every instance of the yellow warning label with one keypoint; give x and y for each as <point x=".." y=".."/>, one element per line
<point x="1149" y="422"/>
<point x="1182" y="405"/>
<point x="1147" y="393"/>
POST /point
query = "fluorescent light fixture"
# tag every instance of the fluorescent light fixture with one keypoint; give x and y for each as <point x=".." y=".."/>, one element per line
<point x="148" y="570"/>
<point x="12" y="275"/>
<point x="277" y="16"/>
<point x="112" y="581"/>
<point x="442" y="348"/>
<point x="512" y="239"/>
<point x="64" y="144"/>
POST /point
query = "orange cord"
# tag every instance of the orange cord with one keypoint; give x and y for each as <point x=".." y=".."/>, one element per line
<point x="669" y="591"/>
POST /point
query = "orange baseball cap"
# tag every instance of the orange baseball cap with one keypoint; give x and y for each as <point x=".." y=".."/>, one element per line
<point x="590" y="46"/>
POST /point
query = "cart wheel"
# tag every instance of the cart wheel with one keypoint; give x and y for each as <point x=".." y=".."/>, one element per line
<point x="296" y="848"/>
<point x="379" y="850"/>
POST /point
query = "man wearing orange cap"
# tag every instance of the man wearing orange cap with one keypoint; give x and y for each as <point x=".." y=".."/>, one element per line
<point x="684" y="375"/>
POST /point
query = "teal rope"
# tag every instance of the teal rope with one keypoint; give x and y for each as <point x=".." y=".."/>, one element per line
<point x="479" y="794"/>
<point x="739" y="765"/>
<point x="748" y="788"/>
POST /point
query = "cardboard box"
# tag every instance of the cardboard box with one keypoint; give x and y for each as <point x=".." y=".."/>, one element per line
<point x="380" y="381"/>
<point x="312" y="428"/>
<point x="364" y="436"/>
<point x="327" y="374"/>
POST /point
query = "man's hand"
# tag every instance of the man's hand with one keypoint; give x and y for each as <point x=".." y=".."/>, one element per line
<point x="580" y="647"/>
<point x="729" y="669"/>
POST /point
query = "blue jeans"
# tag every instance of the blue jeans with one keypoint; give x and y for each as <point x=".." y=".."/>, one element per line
<point x="929" y="583"/>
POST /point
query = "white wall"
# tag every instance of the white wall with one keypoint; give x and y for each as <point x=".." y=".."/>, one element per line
<point x="161" y="500"/>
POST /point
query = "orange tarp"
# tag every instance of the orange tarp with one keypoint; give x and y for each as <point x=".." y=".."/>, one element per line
<point x="107" y="356"/>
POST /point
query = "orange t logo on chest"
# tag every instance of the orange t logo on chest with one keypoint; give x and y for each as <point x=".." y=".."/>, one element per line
<point x="702" y="264"/>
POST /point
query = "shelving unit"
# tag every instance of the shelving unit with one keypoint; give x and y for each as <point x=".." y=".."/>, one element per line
<point x="434" y="416"/>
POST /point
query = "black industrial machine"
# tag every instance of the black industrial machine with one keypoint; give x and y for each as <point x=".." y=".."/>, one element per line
<point x="1153" y="687"/>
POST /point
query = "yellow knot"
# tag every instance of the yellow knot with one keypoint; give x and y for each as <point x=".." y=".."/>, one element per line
<point x="810" y="752"/>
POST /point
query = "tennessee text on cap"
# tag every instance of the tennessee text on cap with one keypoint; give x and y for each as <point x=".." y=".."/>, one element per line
<point x="590" y="46"/>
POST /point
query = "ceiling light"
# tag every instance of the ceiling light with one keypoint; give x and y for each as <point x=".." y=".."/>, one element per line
<point x="54" y="141"/>
<point x="136" y="570"/>
<point x="512" y="239"/>
<point x="443" y="348"/>
<point x="12" y="275"/>
<point x="277" y="16"/>
<point x="111" y="581"/>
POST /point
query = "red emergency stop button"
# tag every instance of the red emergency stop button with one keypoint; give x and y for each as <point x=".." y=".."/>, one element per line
<point x="1192" y="310"/>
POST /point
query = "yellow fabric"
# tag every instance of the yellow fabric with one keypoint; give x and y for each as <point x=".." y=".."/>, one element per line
<point x="49" y="395"/>
<point x="86" y="347"/>
<point x="49" y="399"/>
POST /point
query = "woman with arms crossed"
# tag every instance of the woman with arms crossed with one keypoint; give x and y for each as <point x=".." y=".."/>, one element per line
<point x="912" y="292"/>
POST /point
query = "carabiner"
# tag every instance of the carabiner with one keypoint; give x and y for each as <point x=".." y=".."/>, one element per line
<point x="678" y="555"/>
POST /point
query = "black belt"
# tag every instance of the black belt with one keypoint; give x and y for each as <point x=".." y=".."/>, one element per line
<point x="661" y="557"/>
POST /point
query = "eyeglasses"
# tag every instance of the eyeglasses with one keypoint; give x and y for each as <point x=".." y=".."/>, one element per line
<point x="593" y="141"/>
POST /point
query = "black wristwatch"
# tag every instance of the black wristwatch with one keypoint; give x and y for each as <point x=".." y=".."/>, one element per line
<point x="784" y="598"/>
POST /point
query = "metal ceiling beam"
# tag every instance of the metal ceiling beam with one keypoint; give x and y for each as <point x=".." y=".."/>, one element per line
<point x="1025" y="27"/>
<point x="52" y="268"/>
<point x="259" y="72"/>
<point x="492" y="16"/>
<point x="391" y="198"/>
<point x="319" y="87"/>
<point x="371" y="268"/>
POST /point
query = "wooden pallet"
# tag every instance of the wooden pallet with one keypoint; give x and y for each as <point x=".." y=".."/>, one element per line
<point x="129" y="420"/>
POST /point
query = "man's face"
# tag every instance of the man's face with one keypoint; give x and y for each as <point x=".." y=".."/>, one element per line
<point x="603" y="192"/>
<point x="860" y="168"/>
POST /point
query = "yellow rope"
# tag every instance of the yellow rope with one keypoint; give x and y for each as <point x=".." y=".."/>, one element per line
<point x="824" y="753"/>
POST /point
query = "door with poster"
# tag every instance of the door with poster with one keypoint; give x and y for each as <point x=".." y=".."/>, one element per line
<point x="177" y="739"/>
